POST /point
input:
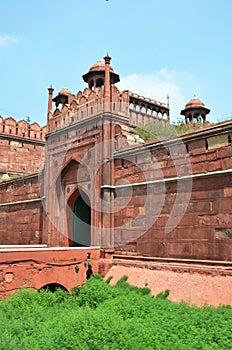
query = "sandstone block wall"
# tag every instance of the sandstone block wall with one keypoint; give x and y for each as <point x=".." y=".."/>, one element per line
<point x="39" y="267"/>
<point x="21" y="146"/>
<point x="172" y="216"/>
<point x="21" y="212"/>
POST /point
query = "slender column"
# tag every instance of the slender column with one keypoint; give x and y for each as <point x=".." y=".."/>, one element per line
<point x="107" y="59"/>
<point x="107" y="217"/>
<point x="50" y="95"/>
<point x="107" y="240"/>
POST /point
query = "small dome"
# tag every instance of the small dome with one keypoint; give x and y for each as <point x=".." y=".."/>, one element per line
<point x="97" y="71"/>
<point x="194" y="103"/>
<point x="64" y="91"/>
<point x="193" y="109"/>
<point x="99" y="66"/>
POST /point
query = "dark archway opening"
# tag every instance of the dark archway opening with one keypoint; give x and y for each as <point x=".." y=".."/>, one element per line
<point x="52" y="287"/>
<point x="99" y="82"/>
<point x="81" y="222"/>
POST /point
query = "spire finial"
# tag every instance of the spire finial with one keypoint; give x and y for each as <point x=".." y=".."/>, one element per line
<point x="50" y="89"/>
<point x="107" y="59"/>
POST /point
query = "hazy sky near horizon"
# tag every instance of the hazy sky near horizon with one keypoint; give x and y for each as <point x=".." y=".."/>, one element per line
<point x="181" y="48"/>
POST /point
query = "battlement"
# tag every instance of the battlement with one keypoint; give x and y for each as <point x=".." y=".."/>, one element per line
<point x="72" y="108"/>
<point x="22" y="145"/>
<point x="10" y="127"/>
<point x="137" y="109"/>
<point x="100" y="96"/>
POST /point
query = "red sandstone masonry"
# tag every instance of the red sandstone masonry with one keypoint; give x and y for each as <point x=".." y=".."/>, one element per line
<point x="22" y="222"/>
<point x="203" y="232"/>
<point x="22" y="145"/>
<point x="206" y="212"/>
<point x="36" y="267"/>
<point x="209" y="204"/>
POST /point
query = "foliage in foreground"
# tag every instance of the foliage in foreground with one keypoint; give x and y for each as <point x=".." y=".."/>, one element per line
<point x="100" y="316"/>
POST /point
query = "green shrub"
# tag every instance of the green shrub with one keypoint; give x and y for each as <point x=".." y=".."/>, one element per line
<point x="126" y="287"/>
<point x="108" y="279"/>
<point x="103" y="317"/>
<point x="163" y="295"/>
<point x="94" y="292"/>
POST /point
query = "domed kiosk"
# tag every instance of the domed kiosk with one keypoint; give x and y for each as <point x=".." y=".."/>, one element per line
<point x="96" y="75"/>
<point x="62" y="96"/>
<point x="195" y="111"/>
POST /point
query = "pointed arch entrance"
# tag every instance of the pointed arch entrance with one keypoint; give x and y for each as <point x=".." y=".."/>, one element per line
<point x="75" y="204"/>
<point x="81" y="228"/>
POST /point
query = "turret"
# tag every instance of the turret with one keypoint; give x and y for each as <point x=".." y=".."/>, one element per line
<point x="195" y="110"/>
<point x="96" y="75"/>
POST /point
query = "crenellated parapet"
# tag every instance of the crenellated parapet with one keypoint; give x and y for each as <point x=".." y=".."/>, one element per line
<point x="72" y="108"/>
<point x="22" y="129"/>
<point x="101" y="96"/>
<point x="22" y="146"/>
<point x="86" y="104"/>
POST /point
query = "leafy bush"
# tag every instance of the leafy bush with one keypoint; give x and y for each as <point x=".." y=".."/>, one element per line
<point x="99" y="316"/>
<point x="108" y="279"/>
<point x="126" y="287"/>
<point x="94" y="292"/>
<point x="163" y="295"/>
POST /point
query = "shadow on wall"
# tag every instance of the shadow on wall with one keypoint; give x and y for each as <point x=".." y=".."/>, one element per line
<point x="52" y="287"/>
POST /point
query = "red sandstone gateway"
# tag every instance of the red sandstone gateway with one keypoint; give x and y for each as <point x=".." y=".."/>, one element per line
<point x="88" y="180"/>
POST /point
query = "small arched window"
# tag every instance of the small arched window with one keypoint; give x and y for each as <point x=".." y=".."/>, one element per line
<point x="99" y="82"/>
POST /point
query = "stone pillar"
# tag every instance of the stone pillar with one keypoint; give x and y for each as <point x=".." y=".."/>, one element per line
<point x="107" y="215"/>
<point x="107" y="240"/>
<point x="50" y="95"/>
<point x="107" y="59"/>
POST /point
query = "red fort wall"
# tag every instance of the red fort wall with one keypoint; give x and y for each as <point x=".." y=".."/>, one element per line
<point x="170" y="199"/>
<point x="21" y="211"/>
<point x="193" y="190"/>
<point x="21" y="145"/>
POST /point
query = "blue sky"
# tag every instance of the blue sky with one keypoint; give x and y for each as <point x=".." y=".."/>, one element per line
<point x="180" y="48"/>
